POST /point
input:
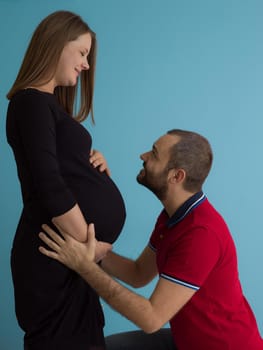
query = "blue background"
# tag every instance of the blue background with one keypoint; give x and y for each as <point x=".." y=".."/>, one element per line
<point x="166" y="64"/>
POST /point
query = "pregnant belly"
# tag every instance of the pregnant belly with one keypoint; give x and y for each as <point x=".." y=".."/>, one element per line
<point x="103" y="205"/>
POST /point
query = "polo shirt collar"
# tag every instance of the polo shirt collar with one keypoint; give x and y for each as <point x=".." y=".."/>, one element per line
<point x="186" y="208"/>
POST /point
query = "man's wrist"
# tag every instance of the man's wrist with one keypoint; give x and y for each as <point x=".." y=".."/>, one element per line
<point x="89" y="267"/>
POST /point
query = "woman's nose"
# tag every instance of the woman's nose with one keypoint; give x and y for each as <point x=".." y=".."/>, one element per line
<point x="85" y="65"/>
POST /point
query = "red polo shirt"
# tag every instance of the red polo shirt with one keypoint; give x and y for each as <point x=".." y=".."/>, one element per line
<point x="194" y="248"/>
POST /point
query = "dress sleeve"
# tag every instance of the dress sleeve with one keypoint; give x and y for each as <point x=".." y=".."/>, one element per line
<point x="37" y="130"/>
<point x="191" y="259"/>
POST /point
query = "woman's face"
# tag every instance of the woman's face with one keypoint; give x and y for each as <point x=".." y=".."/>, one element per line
<point x="73" y="61"/>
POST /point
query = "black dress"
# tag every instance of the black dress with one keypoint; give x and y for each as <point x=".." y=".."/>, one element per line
<point x="54" y="306"/>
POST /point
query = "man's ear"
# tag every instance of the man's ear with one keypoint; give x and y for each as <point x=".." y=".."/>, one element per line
<point x="176" y="175"/>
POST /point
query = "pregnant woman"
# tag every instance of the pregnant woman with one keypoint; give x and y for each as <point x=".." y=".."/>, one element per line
<point x="62" y="179"/>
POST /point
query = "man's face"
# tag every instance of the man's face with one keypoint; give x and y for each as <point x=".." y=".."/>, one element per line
<point x="154" y="174"/>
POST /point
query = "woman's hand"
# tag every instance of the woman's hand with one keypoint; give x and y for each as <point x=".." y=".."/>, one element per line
<point x="98" y="161"/>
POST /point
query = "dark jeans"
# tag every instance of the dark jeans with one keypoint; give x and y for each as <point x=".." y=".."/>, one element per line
<point x="138" y="340"/>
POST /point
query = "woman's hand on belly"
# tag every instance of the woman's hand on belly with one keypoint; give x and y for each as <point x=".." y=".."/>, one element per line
<point x="98" y="161"/>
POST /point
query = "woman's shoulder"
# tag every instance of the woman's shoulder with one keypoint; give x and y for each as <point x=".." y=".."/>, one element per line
<point x="33" y="96"/>
<point x="34" y="104"/>
<point x="32" y="100"/>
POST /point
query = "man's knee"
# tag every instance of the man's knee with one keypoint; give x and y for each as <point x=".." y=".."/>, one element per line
<point x="138" y="340"/>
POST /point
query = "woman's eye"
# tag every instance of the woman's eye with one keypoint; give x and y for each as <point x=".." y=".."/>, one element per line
<point x="82" y="53"/>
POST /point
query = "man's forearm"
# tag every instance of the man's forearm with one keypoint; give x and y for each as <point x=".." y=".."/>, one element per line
<point x="136" y="308"/>
<point x="122" y="268"/>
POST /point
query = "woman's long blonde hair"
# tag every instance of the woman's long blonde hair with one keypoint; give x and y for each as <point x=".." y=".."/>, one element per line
<point x="42" y="56"/>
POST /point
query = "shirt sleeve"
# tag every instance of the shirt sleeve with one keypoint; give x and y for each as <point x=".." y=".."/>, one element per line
<point x="191" y="259"/>
<point x="37" y="130"/>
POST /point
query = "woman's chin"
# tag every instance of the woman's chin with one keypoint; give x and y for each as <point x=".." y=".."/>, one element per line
<point x="72" y="82"/>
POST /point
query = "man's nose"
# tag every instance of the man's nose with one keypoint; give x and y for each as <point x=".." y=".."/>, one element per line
<point x="143" y="156"/>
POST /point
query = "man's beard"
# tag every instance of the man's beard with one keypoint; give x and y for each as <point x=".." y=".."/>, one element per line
<point x="157" y="183"/>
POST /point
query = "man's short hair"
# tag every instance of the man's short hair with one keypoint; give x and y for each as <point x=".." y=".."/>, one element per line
<point x="193" y="154"/>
